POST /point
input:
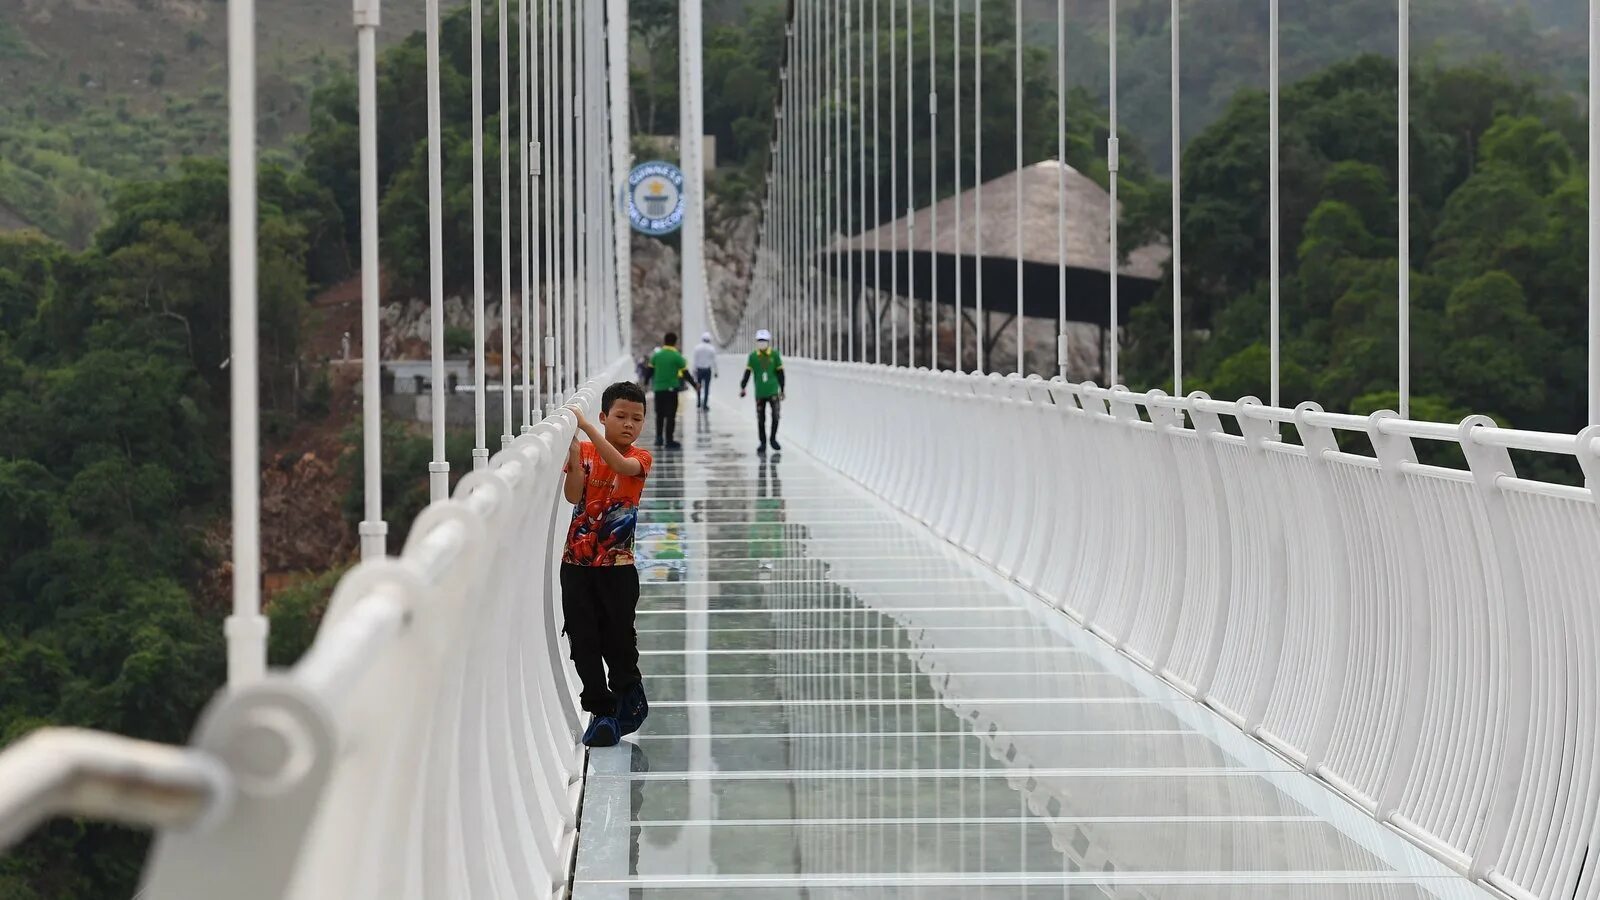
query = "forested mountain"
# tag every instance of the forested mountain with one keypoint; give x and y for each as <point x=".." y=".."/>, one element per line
<point x="113" y="392"/>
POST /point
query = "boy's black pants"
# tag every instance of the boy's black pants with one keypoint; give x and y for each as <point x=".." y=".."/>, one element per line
<point x="599" y="603"/>
<point x="666" y="416"/>
<point x="761" y="417"/>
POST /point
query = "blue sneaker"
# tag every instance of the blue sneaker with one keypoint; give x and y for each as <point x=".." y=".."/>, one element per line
<point x="603" y="731"/>
<point x="632" y="709"/>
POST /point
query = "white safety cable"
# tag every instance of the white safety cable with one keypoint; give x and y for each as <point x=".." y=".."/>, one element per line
<point x="1177" y="212"/>
<point x="1062" y="344"/>
<point x="1115" y="209"/>
<point x="504" y="152"/>
<point x="1404" y="205"/>
<point x="480" y="446"/>
<point x="980" y="325"/>
<point x="1594" y="212"/>
<point x="439" y="468"/>
<point x="1022" y="353"/>
<point x="955" y="166"/>
<point x="894" y="188"/>
<point x="933" y="190"/>
<point x="1274" y="262"/>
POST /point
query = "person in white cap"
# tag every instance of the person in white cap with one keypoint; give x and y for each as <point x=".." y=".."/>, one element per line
<point x="705" y="366"/>
<point x="766" y="366"/>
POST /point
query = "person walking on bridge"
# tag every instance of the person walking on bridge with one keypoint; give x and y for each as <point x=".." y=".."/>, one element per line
<point x="766" y="366"/>
<point x="671" y="371"/>
<point x="705" y="368"/>
<point x="605" y="478"/>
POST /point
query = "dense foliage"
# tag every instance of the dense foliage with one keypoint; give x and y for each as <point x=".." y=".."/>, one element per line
<point x="112" y="469"/>
<point x="112" y="357"/>
<point x="1498" y="230"/>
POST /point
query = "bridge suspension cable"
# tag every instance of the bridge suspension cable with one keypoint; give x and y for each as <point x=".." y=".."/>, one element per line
<point x="425" y="745"/>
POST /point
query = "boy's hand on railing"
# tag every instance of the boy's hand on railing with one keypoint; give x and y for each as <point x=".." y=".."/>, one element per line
<point x="577" y="412"/>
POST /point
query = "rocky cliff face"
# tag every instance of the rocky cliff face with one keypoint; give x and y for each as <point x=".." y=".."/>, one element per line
<point x="657" y="297"/>
<point x="658" y="282"/>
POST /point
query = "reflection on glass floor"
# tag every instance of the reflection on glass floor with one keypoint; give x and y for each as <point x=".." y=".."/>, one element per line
<point x="845" y="707"/>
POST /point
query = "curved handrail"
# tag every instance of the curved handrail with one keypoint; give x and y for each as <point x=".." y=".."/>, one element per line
<point x="1418" y="636"/>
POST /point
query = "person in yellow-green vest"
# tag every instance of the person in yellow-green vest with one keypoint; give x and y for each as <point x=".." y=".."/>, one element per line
<point x="670" y="375"/>
<point x="766" y="366"/>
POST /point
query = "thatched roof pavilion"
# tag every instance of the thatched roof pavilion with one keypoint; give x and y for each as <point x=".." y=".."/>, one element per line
<point x="1087" y="256"/>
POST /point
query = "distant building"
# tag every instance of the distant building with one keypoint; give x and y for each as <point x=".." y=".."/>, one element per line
<point x="415" y="376"/>
<point x="935" y="263"/>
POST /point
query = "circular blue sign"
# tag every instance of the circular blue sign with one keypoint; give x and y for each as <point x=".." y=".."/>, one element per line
<point x="655" y="198"/>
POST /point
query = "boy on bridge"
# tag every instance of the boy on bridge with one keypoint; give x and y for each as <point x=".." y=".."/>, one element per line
<point x="599" y="583"/>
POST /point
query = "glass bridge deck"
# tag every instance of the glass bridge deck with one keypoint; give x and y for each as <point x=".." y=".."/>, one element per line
<point x="844" y="706"/>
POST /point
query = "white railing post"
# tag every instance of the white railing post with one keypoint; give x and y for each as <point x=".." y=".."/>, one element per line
<point x="1395" y="454"/>
<point x="1320" y="442"/>
<point x="1489" y="464"/>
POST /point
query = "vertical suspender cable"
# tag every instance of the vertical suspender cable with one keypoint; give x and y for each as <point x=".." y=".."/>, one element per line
<point x="806" y="245"/>
<point x="834" y="184"/>
<point x="1403" y="125"/>
<point x="849" y="164"/>
<point x="1115" y="209"/>
<point x="1275" y="261"/>
<point x="621" y="158"/>
<point x="504" y="153"/>
<point x="569" y="274"/>
<point x="439" y="468"/>
<point x="480" y="446"/>
<point x="547" y="211"/>
<point x="894" y="187"/>
<point x="372" y="527"/>
<point x="1022" y="353"/>
<point x="861" y="157"/>
<point x="529" y="323"/>
<point x="911" y="198"/>
<point x="877" y="204"/>
<point x="955" y="166"/>
<point x="1061" y="188"/>
<point x="933" y="192"/>
<point x="583" y="281"/>
<point x="1177" y="213"/>
<point x="814" y="180"/>
<point x="1594" y="212"/>
<point x="980" y="326"/>
<point x="246" y="629"/>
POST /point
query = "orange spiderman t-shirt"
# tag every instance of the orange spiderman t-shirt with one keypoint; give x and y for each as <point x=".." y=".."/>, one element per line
<point x="604" y="518"/>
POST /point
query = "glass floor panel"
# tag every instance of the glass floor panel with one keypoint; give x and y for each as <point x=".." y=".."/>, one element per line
<point x="845" y="707"/>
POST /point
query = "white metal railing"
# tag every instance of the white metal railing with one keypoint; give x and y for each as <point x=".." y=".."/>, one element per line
<point x="425" y="746"/>
<point x="1420" y="637"/>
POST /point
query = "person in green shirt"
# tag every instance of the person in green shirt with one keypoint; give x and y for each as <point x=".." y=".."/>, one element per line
<point x="671" y="372"/>
<point x="766" y="366"/>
